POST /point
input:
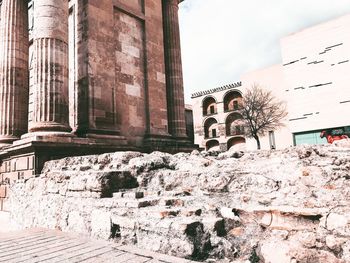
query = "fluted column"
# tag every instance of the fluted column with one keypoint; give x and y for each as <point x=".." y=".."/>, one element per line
<point x="50" y="85"/>
<point x="173" y="66"/>
<point x="13" y="70"/>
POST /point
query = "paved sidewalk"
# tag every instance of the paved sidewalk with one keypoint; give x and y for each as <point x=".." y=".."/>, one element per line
<point x="42" y="245"/>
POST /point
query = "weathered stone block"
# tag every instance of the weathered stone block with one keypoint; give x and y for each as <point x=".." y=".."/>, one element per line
<point x="101" y="224"/>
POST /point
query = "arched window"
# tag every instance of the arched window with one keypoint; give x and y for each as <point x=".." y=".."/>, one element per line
<point x="212" y="145"/>
<point x="232" y="101"/>
<point x="234" y="124"/>
<point x="209" y="106"/>
<point x="234" y="141"/>
<point x="211" y="128"/>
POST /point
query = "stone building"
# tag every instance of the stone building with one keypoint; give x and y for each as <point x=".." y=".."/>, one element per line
<point x="217" y="120"/>
<point x="80" y="77"/>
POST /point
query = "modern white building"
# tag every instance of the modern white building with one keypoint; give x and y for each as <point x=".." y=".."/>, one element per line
<point x="313" y="79"/>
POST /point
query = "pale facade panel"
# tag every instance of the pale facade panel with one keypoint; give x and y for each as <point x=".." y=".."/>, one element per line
<point x="316" y="64"/>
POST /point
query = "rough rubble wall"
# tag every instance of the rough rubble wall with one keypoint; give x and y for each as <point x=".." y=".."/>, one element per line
<point x="267" y="206"/>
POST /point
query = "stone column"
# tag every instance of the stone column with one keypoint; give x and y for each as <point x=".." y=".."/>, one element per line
<point x="14" y="73"/>
<point x="173" y="67"/>
<point x="50" y="57"/>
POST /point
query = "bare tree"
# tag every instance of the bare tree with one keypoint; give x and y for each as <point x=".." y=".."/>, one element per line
<point x="262" y="112"/>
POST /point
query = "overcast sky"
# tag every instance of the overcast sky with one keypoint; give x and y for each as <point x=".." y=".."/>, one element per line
<point x="221" y="39"/>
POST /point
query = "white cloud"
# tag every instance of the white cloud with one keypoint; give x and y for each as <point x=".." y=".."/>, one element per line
<point x="221" y="39"/>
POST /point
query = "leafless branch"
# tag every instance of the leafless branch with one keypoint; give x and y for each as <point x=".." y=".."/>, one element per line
<point x="262" y="112"/>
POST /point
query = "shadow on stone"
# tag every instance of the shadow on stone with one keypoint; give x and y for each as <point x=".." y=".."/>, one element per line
<point x="116" y="181"/>
<point x="115" y="231"/>
<point x="200" y="239"/>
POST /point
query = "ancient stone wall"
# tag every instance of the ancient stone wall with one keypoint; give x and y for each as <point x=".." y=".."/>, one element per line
<point x="272" y="206"/>
<point x="130" y="75"/>
<point x="122" y="75"/>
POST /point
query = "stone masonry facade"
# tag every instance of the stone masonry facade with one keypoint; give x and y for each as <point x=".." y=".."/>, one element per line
<point x="83" y="77"/>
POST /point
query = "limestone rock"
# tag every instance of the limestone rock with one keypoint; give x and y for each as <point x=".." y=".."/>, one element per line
<point x="336" y="221"/>
<point x="101" y="224"/>
<point x="275" y="252"/>
<point x="335" y="243"/>
<point x="266" y="206"/>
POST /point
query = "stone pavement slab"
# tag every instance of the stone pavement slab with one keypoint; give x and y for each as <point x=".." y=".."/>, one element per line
<point x="43" y="245"/>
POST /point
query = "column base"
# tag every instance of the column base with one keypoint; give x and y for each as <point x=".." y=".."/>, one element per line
<point x="70" y="138"/>
<point x="7" y="140"/>
<point x="49" y="127"/>
<point x="46" y="136"/>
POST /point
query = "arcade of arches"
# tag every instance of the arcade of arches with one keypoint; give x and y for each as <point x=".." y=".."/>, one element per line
<point x="223" y="124"/>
